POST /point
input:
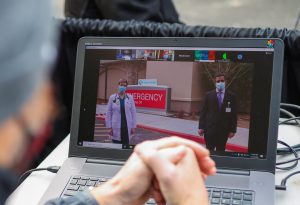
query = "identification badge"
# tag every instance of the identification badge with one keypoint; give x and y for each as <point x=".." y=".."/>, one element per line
<point x="228" y="109"/>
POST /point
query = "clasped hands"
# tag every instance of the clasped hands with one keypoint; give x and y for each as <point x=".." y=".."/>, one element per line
<point x="170" y="170"/>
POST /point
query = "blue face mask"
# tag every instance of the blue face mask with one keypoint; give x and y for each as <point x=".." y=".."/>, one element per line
<point x="220" y="86"/>
<point x="122" y="89"/>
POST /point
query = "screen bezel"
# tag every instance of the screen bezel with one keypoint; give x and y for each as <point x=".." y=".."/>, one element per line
<point x="267" y="164"/>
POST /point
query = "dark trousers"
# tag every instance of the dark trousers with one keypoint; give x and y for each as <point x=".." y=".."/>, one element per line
<point x="116" y="141"/>
<point x="216" y="141"/>
<point x="124" y="136"/>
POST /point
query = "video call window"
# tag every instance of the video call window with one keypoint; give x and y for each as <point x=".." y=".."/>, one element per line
<point x="208" y="102"/>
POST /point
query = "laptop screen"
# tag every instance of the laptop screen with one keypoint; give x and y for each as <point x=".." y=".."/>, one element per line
<point x="213" y="96"/>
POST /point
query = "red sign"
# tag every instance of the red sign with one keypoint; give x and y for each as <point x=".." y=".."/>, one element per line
<point x="155" y="99"/>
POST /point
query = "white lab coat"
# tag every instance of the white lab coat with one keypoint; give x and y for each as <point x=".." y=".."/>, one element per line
<point x="113" y="115"/>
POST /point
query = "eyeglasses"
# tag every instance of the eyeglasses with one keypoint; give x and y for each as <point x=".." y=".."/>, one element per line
<point x="220" y="81"/>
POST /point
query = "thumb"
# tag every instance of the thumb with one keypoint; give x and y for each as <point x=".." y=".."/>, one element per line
<point x="174" y="154"/>
<point x="161" y="162"/>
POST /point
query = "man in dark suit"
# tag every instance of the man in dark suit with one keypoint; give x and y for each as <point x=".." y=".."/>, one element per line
<point x="218" y="117"/>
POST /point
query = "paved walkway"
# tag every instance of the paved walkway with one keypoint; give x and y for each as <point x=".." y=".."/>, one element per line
<point x="166" y="126"/>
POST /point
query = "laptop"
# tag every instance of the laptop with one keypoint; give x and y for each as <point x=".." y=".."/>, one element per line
<point x="172" y="90"/>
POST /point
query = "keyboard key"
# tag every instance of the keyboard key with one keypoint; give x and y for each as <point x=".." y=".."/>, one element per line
<point x="216" y="194"/>
<point x="81" y="182"/>
<point x="230" y="196"/>
<point x="225" y="201"/>
<point x="73" y="181"/>
<point x="226" y="195"/>
<point x="247" y="203"/>
<point x="85" y="178"/>
<point x="73" y="187"/>
<point x="215" y="200"/>
<point x="76" y="177"/>
<point x="237" y="191"/>
<point x="247" y="197"/>
<point x="237" y="196"/>
<point x="103" y="179"/>
<point x="91" y="183"/>
<point x="247" y="192"/>
<point x="81" y="188"/>
<point x="236" y="202"/>
<point x="94" y="179"/>
<point x="70" y="193"/>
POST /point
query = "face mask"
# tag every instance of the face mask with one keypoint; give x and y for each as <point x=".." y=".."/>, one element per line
<point x="220" y="86"/>
<point x="122" y="89"/>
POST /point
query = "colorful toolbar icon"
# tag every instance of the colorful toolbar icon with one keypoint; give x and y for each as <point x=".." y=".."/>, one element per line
<point x="224" y="56"/>
<point x="206" y="56"/>
<point x="270" y="43"/>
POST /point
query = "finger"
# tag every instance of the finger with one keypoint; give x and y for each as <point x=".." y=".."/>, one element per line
<point x="157" y="195"/>
<point x="199" y="150"/>
<point x="174" y="155"/>
<point x="173" y="142"/>
<point x="207" y="166"/>
<point x="161" y="166"/>
<point x="189" y="162"/>
<point x="155" y="183"/>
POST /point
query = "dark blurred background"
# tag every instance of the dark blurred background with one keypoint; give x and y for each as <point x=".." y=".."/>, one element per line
<point x="237" y="13"/>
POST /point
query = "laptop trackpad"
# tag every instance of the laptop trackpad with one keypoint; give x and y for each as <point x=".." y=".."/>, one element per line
<point x="228" y="180"/>
<point x="106" y="170"/>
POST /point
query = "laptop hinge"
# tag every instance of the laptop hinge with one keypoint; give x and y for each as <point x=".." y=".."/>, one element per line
<point x="102" y="161"/>
<point x="234" y="172"/>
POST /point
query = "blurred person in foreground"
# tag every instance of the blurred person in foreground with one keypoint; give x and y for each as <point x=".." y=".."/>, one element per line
<point x="171" y="169"/>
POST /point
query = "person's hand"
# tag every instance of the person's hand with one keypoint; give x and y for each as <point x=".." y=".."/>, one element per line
<point x="180" y="183"/>
<point x="206" y="164"/>
<point x="231" y="135"/>
<point x="133" y="130"/>
<point x="200" y="132"/>
<point x="132" y="183"/>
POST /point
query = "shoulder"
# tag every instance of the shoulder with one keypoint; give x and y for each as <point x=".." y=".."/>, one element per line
<point x="112" y="96"/>
<point x="129" y="96"/>
<point x="210" y="93"/>
<point x="230" y="94"/>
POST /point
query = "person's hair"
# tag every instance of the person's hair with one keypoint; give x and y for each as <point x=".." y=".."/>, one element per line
<point x="123" y="81"/>
<point x="219" y="74"/>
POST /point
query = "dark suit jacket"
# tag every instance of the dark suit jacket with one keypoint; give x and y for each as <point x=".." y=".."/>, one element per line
<point x="214" y="120"/>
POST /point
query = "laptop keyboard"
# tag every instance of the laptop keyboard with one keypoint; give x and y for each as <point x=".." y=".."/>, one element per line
<point x="230" y="196"/>
<point x="81" y="183"/>
<point x="216" y="195"/>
